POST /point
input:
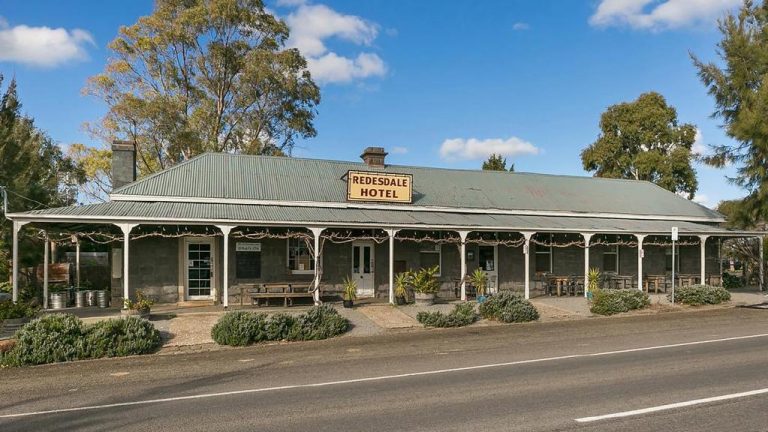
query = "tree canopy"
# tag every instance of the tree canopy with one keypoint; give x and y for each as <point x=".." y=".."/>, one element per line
<point x="205" y="75"/>
<point x="496" y="162"/>
<point x="642" y="140"/>
<point x="32" y="168"/>
<point x="740" y="90"/>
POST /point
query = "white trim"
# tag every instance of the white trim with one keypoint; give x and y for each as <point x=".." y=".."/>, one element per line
<point x="615" y="251"/>
<point x="31" y="218"/>
<point x="370" y="206"/>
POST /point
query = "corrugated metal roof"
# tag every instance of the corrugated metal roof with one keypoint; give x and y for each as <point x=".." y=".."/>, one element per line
<point x="225" y="176"/>
<point x="277" y="215"/>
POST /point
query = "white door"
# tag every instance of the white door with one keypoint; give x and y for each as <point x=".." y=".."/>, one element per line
<point x="199" y="274"/>
<point x="488" y="258"/>
<point x="362" y="268"/>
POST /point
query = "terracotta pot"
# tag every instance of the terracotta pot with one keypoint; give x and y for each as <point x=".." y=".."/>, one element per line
<point x="348" y="303"/>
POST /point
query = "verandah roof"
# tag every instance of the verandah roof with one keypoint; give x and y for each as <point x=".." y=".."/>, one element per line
<point x="268" y="215"/>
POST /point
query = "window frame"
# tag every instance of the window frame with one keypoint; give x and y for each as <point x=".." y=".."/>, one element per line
<point x="288" y="257"/>
<point x="615" y="252"/>
<point x="544" y="250"/>
<point x="437" y="249"/>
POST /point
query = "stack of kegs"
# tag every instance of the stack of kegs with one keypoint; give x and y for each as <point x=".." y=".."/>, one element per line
<point x="80" y="299"/>
<point x="102" y="300"/>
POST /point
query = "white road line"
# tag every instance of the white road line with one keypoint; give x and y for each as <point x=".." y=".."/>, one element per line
<point x="376" y="378"/>
<point x="673" y="406"/>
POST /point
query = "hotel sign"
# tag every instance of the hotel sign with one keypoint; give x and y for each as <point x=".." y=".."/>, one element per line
<point x="384" y="187"/>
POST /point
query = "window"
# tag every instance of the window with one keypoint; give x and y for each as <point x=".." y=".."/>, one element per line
<point x="611" y="259"/>
<point x="431" y="255"/>
<point x="543" y="258"/>
<point x="668" y="260"/>
<point x="299" y="259"/>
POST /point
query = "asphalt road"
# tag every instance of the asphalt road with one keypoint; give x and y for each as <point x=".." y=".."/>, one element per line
<point x="520" y="377"/>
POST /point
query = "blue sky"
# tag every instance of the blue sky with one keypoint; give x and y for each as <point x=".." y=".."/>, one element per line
<point x="436" y="83"/>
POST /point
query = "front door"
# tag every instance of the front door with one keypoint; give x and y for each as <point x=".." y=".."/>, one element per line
<point x="489" y="264"/>
<point x="362" y="268"/>
<point x="199" y="269"/>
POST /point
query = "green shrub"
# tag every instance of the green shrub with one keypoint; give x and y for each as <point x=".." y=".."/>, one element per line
<point x="49" y="339"/>
<point x="244" y="328"/>
<point x="11" y="310"/>
<point x="461" y="315"/>
<point x="121" y="337"/>
<point x="280" y="326"/>
<point x="732" y="282"/>
<point x="508" y="307"/>
<point x="700" y="295"/>
<point x="613" y="301"/>
<point x="319" y="322"/>
<point x="240" y="328"/>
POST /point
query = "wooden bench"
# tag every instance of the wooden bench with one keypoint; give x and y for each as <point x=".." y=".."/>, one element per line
<point x="286" y="291"/>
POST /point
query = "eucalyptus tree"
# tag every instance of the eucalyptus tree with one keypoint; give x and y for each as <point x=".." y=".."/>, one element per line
<point x="205" y="75"/>
<point x="643" y="140"/>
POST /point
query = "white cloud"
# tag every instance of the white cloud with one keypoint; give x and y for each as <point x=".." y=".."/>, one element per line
<point x="699" y="147"/>
<point x="289" y="3"/>
<point x="656" y="14"/>
<point x="520" y="26"/>
<point x="42" y="46"/>
<point x="312" y="25"/>
<point x="701" y="199"/>
<point x="399" y="150"/>
<point x="476" y="149"/>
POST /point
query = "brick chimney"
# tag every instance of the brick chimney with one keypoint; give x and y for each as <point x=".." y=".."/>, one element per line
<point x="123" y="163"/>
<point x="374" y="156"/>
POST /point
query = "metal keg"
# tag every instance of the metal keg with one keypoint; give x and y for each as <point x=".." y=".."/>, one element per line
<point x="90" y="296"/>
<point x="58" y="300"/>
<point x="80" y="300"/>
<point x="102" y="299"/>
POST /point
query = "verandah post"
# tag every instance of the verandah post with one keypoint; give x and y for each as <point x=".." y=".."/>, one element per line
<point x="16" y="228"/>
<point x="640" y="256"/>
<point x="587" y="237"/>
<point x="45" y="270"/>
<point x="225" y="230"/>
<point x="463" y="253"/>
<point x="703" y="258"/>
<point x="126" y="229"/>
<point x="316" y="232"/>
<point x="391" y="233"/>
<point x="526" y="253"/>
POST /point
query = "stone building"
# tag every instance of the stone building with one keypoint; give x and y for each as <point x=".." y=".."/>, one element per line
<point x="208" y="227"/>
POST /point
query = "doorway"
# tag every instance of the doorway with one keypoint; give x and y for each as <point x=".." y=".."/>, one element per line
<point x="362" y="268"/>
<point x="488" y="263"/>
<point x="199" y="269"/>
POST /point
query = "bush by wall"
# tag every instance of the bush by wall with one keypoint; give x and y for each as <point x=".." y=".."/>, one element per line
<point x="462" y="315"/>
<point x="613" y="301"/>
<point x="697" y="295"/>
<point x="508" y="307"/>
<point x="63" y="337"/>
<point x="244" y="328"/>
<point x="732" y="282"/>
<point x="121" y="337"/>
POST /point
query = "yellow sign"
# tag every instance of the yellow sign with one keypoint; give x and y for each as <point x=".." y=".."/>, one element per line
<point x="372" y="186"/>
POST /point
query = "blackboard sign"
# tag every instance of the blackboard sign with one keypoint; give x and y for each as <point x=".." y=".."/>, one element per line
<point x="247" y="265"/>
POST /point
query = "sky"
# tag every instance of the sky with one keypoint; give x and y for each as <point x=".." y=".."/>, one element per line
<point x="437" y="83"/>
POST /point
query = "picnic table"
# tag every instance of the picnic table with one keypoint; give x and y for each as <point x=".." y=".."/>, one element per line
<point x="287" y="291"/>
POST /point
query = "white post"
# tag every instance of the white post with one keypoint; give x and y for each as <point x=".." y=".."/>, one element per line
<point x="126" y="228"/>
<point x="391" y="233"/>
<point x="225" y="230"/>
<point x="316" y="232"/>
<point x="77" y="260"/>
<point x="703" y="258"/>
<point x="587" y="237"/>
<point x="45" y="270"/>
<point x="762" y="263"/>
<point x="526" y="253"/>
<point x="463" y="252"/>
<point x="16" y="228"/>
<point x="640" y="256"/>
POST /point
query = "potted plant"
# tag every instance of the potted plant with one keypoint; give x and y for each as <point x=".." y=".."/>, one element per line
<point x="593" y="282"/>
<point x="425" y="285"/>
<point x="141" y="306"/>
<point x="350" y="292"/>
<point x="14" y="315"/>
<point x="479" y="280"/>
<point x="401" y="284"/>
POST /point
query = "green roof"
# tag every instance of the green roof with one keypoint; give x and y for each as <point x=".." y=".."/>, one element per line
<point x="221" y="176"/>
<point x="271" y="215"/>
